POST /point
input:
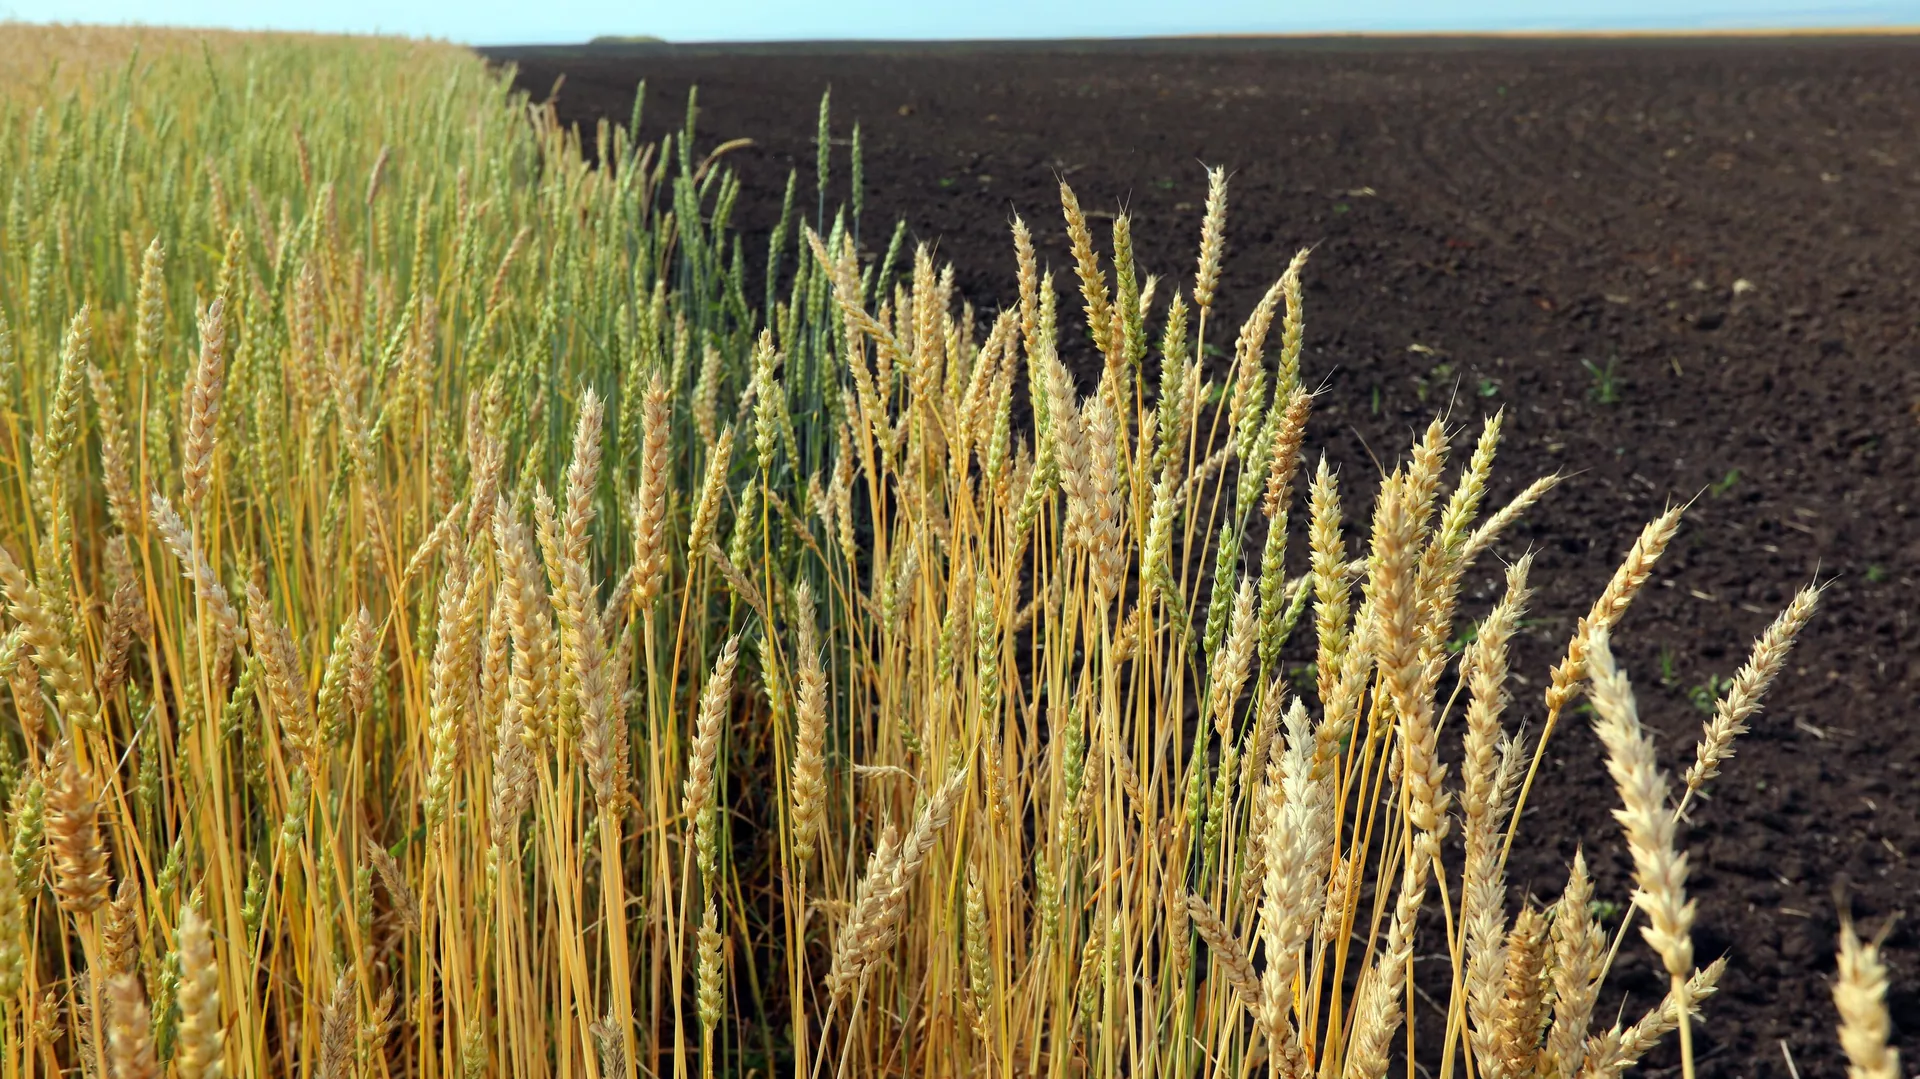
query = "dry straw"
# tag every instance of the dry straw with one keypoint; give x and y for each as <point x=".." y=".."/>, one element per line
<point x="983" y="720"/>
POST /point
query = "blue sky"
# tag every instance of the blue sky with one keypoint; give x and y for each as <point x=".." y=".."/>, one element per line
<point x="485" y="22"/>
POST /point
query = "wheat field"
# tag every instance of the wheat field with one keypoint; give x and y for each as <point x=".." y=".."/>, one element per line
<point x="453" y="629"/>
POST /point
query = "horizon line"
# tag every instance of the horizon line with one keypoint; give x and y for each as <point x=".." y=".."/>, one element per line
<point x="654" y="41"/>
<point x="645" y="41"/>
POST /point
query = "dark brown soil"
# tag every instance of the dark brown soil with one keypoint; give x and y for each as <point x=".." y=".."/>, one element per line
<point x="1491" y="223"/>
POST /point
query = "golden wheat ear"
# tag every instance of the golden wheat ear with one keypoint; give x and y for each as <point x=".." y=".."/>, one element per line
<point x="810" y="731"/>
<point x="1213" y="240"/>
<point x="1659" y="866"/>
<point x="1860" y="996"/>
<point x="200" y="1034"/>
<point x="1743" y="697"/>
<point x="130" y="1050"/>
<point x="80" y="879"/>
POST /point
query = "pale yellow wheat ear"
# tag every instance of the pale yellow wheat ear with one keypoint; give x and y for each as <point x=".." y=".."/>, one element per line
<point x="1484" y="801"/>
<point x="130" y="1050"/>
<point x="115" y="454"/>
<point x="1377" y="1000"/>
<point x="1229" y="956"/>
<point x="1743" y="697"/>
<point x="120" y="937"/>
<point x="697" y="798"/>
<point x="873" y="924"/>
<point x="810" y="728"/>
<point x="286" y="681"/>
<point x="1860" y="995"/>
<point x="1611" y="1053"/>
<point x="711" y="995"/>
<point x="978" y="1001"/>
<point x="361" y="670"/>
<point x="650" y="555"/>
<point x="206" y="584"/>
<point x="200" y="1036"/>
<point x="1579" y="948"/>
<point x="1660" y="870"/>
<point x="59" y="441"/>
<point x="1627" y="580"/>
<point x="406" y="906"/>
<point x="12" y="927"/>
<point x="1213" y="240"/>
<point x="603" y="732"/>
<point x="1523" y="1007"/>
<point x="1029" y="278"/>
<point x="1659" y="867"/>
<point x="205" y="384"/>
<point x="127" y="616"/>
<point x="1093" y="284"/>
<point x="150" y="306"/>
<point x="337" y="1032"/>
<point x="706" y="512"/>
<point x="442" y="534"/>
<point x="73" y="832"/>
<point x="1566" y="676"/>
<point x="43" y="637"/>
